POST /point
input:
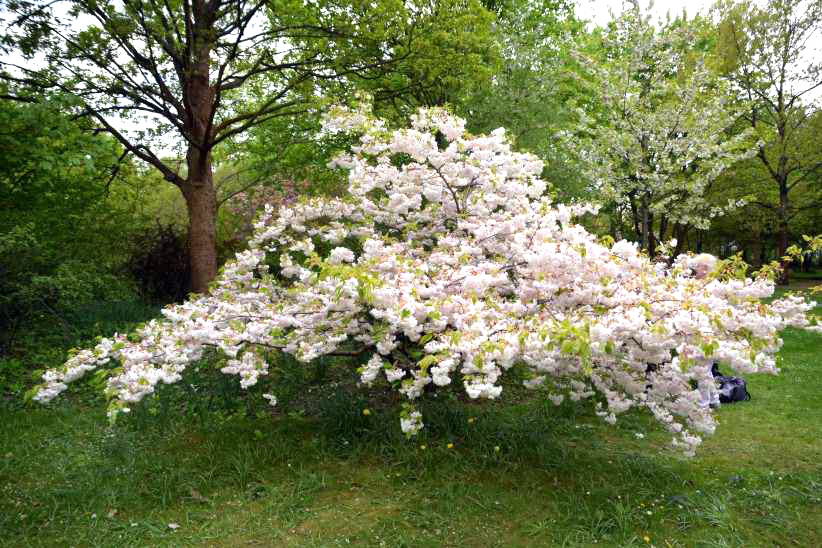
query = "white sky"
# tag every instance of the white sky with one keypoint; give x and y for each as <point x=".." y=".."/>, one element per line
<point x="597" y="10"/>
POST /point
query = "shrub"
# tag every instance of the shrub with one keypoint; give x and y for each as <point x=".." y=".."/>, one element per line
<point x="159" y="264"/>
<point x="446" y="262"/>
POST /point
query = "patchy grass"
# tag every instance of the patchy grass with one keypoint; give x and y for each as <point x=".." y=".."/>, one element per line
<point x="518" y="474"/>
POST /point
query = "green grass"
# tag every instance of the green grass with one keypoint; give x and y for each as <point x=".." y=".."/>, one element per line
<point x="810" y="275"/>
<point x="519" y="474"/>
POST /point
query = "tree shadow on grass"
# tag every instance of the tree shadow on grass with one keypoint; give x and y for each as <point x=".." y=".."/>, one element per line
<point x="568" y="477"/>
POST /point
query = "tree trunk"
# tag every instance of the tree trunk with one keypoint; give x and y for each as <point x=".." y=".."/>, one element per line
<point x="757" y="252"/>
<point x="646" y="218"/>
<point x="782" y="238"/>
<point x="782" y="247"/>
<point x="663" y="229"/>
<point x="681" y="235"/>
<point x="635" y="217"/>
<point x="201" y="201"/>
<point x="198" y="189"/>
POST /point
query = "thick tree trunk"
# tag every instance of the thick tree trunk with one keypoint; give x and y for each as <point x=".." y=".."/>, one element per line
<point x="198" y="189"/>
<point x="201" y="201"/>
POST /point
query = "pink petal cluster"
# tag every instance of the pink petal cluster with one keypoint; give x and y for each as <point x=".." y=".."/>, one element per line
<point x="449" y="266"/>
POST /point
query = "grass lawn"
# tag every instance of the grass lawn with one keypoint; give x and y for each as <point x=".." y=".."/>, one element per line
<point x="518" y="474"/>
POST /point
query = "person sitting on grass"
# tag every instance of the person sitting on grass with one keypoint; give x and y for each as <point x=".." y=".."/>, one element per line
<point x="701" y="265"/>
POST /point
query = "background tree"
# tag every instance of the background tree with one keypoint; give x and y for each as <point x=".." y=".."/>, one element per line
<point x="185" y="68"/>
<point x="663" y="134"/>
<point x="767" y="54"/>
<point x="58" y="220"/>
<point x="754" y="227"/>
<point x="534" y="94"/>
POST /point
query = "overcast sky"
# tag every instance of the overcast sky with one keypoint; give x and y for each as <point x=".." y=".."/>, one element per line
<point x="597" y="10"/>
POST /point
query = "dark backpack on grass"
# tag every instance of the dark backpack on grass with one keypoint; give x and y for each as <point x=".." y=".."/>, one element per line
<point x="731" y="389"/>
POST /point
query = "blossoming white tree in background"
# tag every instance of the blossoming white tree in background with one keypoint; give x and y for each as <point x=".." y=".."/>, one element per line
<point x="448" y="265"/>
<point x="662" y="136"/>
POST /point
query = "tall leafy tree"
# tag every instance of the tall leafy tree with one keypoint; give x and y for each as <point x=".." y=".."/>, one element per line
<point x="767" y="52"/>
<point x="456" y="54"/>
<point x="533" y="94"/>
<point x="182" y="69"/>
<point x="755" y="228"/>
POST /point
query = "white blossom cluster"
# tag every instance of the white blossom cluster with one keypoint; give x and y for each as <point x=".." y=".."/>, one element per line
<point x="448" y="266"/>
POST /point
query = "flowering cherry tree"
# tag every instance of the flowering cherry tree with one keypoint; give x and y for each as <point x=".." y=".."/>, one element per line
<point x="447" y="264"/>
<point x="665" y="132"/>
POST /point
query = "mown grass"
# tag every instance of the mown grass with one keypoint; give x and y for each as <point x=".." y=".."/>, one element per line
<point x="518" y="474"/>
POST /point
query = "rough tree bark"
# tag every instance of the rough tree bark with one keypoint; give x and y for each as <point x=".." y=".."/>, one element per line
<point x="201" y="202"/>
<point x="198" y="188"/>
